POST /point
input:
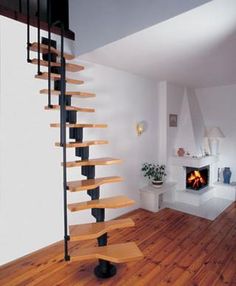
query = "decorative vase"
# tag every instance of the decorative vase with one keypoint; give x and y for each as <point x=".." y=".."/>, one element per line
<point x="227" y="175"/>
<point x="157" y="184"/>
<point x="181" y="152"/>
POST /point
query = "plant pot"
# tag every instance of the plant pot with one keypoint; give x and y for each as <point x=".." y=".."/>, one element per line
<point x="157" y="184"/>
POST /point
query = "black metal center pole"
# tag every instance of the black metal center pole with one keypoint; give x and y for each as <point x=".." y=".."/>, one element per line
<point x="104" y="269"/>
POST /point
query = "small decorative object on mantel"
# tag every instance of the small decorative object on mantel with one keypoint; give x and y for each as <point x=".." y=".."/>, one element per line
<point x="181" y="152"/>
<point x="227" y="175"/>
<point x="155" y="172"/>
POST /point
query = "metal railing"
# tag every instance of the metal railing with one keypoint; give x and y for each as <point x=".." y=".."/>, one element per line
<point x="49" y="51"/>
<point x="39" y="31"/>
<point x="62" y="96"/>
<point x="63" y="136"/>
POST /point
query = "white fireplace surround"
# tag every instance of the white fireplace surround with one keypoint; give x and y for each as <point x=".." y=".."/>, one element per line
<point x="189" y="135"/>
<point x="208" y="202"/>
<point x="178" y="169"/>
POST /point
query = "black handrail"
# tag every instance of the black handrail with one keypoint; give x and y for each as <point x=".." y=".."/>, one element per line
<point x="63" y="139"/>
<point x="63" y="143"/>
<point x="63" y="135"/>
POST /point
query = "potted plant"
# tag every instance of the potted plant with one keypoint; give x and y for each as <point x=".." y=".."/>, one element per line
<point x="155" y="172"/>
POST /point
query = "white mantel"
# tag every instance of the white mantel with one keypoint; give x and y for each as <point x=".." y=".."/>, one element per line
<point x="187" y="161"/>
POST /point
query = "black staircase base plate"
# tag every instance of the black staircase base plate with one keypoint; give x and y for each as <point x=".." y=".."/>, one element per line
<point x="99" y="272"/>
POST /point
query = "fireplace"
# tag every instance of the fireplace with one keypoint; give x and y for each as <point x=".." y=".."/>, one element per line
<point x="197" y="178"/>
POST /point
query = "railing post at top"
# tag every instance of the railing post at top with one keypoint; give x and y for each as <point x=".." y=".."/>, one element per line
<point x="28" y="32"/>
<point x="20" y="6"/>
<point x="38" y="12"/>
<point x="49" y="51"/>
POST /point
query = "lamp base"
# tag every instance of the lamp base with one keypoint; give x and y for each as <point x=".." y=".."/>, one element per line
<point x="214" y="146"/>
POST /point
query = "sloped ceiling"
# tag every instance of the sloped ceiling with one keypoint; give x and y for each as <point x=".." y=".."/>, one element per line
<point x="99" y="22"/>
<point x="196" y="48"/>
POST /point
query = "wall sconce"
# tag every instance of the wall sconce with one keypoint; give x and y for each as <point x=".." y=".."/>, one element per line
<point x="141" y="127"/>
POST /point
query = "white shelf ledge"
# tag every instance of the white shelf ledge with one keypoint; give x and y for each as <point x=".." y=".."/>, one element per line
<point x="165" y="187"/>
<point x="193" y="162"/>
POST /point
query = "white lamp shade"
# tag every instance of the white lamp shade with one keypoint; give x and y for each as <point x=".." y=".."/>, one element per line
<point x="215" y="132"/>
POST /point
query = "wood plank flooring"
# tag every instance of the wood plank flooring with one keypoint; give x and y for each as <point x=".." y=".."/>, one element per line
<point x="179" y="249"/>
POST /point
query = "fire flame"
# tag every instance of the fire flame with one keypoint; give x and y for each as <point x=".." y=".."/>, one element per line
<point x="196" y="180"/>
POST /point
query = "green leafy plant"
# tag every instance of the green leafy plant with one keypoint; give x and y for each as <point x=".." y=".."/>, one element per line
<point x="154" y="171"/>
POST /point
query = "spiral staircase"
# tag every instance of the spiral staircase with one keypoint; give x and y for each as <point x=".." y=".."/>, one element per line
<point x="57" y="62"/>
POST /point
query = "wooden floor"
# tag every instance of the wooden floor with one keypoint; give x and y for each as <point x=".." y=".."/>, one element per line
<point x="179" y="249"/>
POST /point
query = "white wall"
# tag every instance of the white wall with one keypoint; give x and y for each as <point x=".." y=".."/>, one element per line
<point x="176" y="99"/>
<point x="30" y="174"/>
<point x="170" y="99"/>
<point x="218" y="108"/>
<point x="190" y="135"/>
<point x="122" y="101"/>
<point x="162" y="121"/>
<point x="182" y="101"/>
<point x="175" y="94"/>
<point x="30" y="188"/>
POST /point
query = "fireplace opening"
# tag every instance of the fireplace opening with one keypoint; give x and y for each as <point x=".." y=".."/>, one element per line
<point x="197" y="178"/>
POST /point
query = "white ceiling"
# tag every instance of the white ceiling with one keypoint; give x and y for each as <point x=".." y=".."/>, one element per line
<point x="100" y="22"/>
<point x="197" y="48"/>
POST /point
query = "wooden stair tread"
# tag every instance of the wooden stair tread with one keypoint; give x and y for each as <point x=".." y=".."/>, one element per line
<point x="94" y="230"/>
<point x="117" y="253"/>
<point x="90" y="184"/>
<point x="83" y="144"/>
<point x="70" y="108"/>
<point x="79" y="125"/>
<point x="93" y="162"/>
<point x="111" y="203"/>
<point x="69" y="93"/>
<point x="69" y="66"/>
<point x="55" y="76"/>
<point x="44" y="50"/>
